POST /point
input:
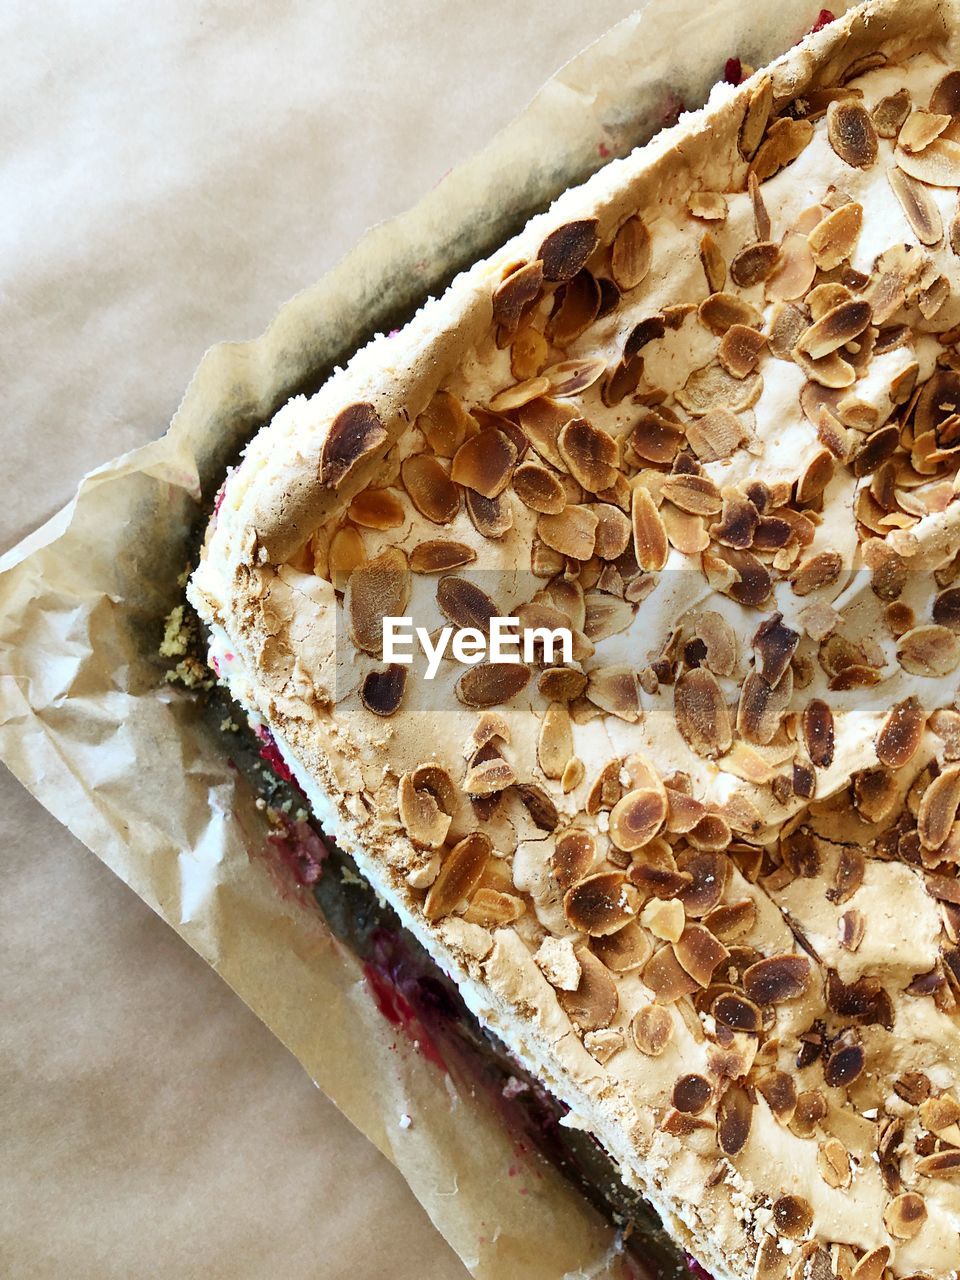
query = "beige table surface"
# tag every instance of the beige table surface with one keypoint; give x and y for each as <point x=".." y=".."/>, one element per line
<point x="171" y="173"/>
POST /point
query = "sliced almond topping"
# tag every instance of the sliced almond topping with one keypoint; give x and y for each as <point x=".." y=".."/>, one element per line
<point x="691" y="1094"/>
<point x="573" y="532"/>
<point x="835" y="435"/>
<point x="664" y="918"/>
<point x="761" y="708"/>
<point x="734" y="1118"/>
<point x="786" y="139"/>
<point x="890" y="112"/>
<point x="491" y="517"/>
<point x="355" y="433"/>
<point x="376" y="590"/>
<point x="739" y="350"/>
<point x="840" y="325"/>
<point x="721" y="310"/>
<point x="515" y="293"/>
<point x="817" y="572"/>
<point x="833" y="239"/>
<point x="699" y="953"/>
<point x="738" y="1013"/>
<point x="945" y="98"/>
<point x="716" y="436"/>
<point x="431" y="490"/>
<point x="785" y="329"/>
<point x="851" y="133"/>
<point x="920" y="128"/>
<point x="928" y="651"/>
<point x="376" y="509"/>
<point x="686" y="532"/>
<point x="573" y="774"/>
<point x="347" y="553"/>
<point x="655" y="439"/>
<point x="792" y="1216"/>
<point x="713" y="388"/>
<point x="489" y="777"/>
<point x="795" y="269"/>
<point x="491" y="683"/>
<point x="463" y="603"/>
<point x="566" y="250"/>
<point x="666" y="978"/>
<point x="529" y="352"/>
<point x="701" y="713"/>
<point x="709" y="206"/>
<point x="601" y="904"/>
<point x="484" y="462"/>
<point x="905" y="1215"/>
<point x="850" y="930"/>
<point x="613" y="531"/>
<point x="459" y="875"/>
<point x="775" y="644"/>
<point x="627" y="949"/>
<point x="590" y="453"/>
<point x="874" y="794"/>
<point x="652" y="1029"/>
<point x="756" y="118"/>
<point x="649" y="535"/>
<point x="570" y="377"/>
<point x="382" y="691"/>
<point x="844" y="1065"/>
<point x="539" y="489"/>
<point x="577" y="306"/>
<point x="595" y="1002"/>
<point x="519" y="394"/>
<point x="818" y="733"/>
<point x="636" y="818"/>
<point x="631" y="254"/>
<point x="573" y="856"/>
<point x="423" y="819"/>
<point x="714" y="267"/>
<point x="918" y="205"/>
<point x="761" y="216"/>
<point x="938" y="165"/>
<point x="946" y="608"/>
<point x="780" y="1094"/>
<point x="555" y="743"/>
<point x="754" y="264"/>
<point x="777" y="978"/>
<point x="438" y="555"/>
<point x="492" y="908"/>
<point x="561" y="684"/>
<point x="445" y="424"/>
<point x="720" y="641"/>
<point x="901" y="733"/>
<point x="696" y="494"/>
<point x="938" y="808"/>
<point x="615" y="689"/>
<point x="708" y="878"/>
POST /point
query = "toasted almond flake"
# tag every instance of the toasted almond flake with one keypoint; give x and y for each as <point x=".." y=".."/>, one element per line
<point x="714" y="267"/>
<point x="834" y="435"/>
<point x="491" y="517"/>
<point x="685" y="531"/>
<point x="652" y="1029"/>
<point x="794" y="272"/>
<point x="691" y="1093"/>
<point x="515" y="293"/>
<point x="818" y="733"/>
<point x="382" y="691"/>
<point x="696" y="494"/>
<point x="874" y="794"/>
<point x="838" y="326"/>
<point x="627" y="949"/>
<point x="601" y="904"/>
<point x="761" y="216"/>
<point x="561" y="684"/>
<point x="636" y="818"/>
<point x="739" y="350"/>
<point x="464" y="604"/>
<point x="555" y="743"/>
<point x="832" y="240"/>
<point x="753" y="264"/>
<point x="539" y="488"/>
<point x="716" y="435"/>
<point x="709" y="206"/>
<point x="631" y="254"/>
<point x="517" y="395"/>
<point x="720" y="641"/>
<point x="664" y="918"/>
<point x="734" y="1119"/>
<point x="930" y="650"/>
<point x="938" y="165"/>
<point x="439" y="555"/>
<point x="755" y="118"/>
<point x="595" y="1002"/>
<point x="904" y="1216"/>
<point x="792" y="1216"/>
<point x="649" y="535"/>
<point x="573" y="856"/>
<point x="577" y="306"/>
<point x="713" y="388"/>
<point x="761" y="708"/>
<point x="566" y="250"/>
<point x="529" y="352"/>
<point x="918" y="205"/>
<point x="573" y="774"/>
<point x="938" y="808"/>
<point x="901" y="733"/>
<point x="572" y="532"/>
<point x="376" y="509"/>
<point x="699" y="953"/>
<point x="701" y="713"/>
<point x="890" y="112"/>
<point x="786" y="139"/>
<point x="817" y="572"/>
<point x="489" y="777"/>
<point x="851" y="133"/>
<point x="655" y="438"/>
<point x="422" y="817"/>
<point x="721" y="310"/>
<point x="570" y="377"/>
<point x="355" y="433"/>
<point x="346" y="553"/>
<point x="492" y="908"/>
<point x="920" y="128"/>
<point x="378" y="589"/>
<point x="615" y="689"/>
<point x="945" y="98"/>
<point x="491" y="683"/>
<point x="431" y="490"/>
<point x="666" y="978"/>
<point x="590" y="453"/>
<point x="946" y="608"/>
<point x="777" y="978"/>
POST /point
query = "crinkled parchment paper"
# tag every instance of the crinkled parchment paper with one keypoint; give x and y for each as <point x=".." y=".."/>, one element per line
<point x="89" y="725"/>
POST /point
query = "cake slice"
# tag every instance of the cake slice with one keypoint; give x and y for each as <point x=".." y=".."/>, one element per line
<point x="700" y="875"/>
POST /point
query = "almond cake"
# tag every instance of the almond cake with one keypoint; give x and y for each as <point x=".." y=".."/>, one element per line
<point x="701" y="879"/>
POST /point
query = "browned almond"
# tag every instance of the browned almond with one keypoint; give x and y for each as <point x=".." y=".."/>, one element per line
<point x="874" y="794"/>
<point x="780" y="1094"/>
<point x="942" y="1164"/>
<point x="754" y="264"/>
<point x="946" y="608"/>
<point x="520" y="393"/>
<point x="573" y="532"/>
<point x="817" y="572"/>
<point x="708" y="877"/>
<point x="345" y="554"/>
<point x="777" y="978"/>
<point x="648" y="330"/>
<point x="851" y="133"/>
<point x="701" y="713"/>
<point x="761" y="216"/>
<point x="431" y="490"/>
<point x="529" y="352"/>
<point x="734" y="1118"/>
<point x="577" y="306"/>
<point x="652" y="1028"/>
<point x="590" y="453"/>
<point x="786" y="139"/>
<point x="721" y="310"/>
<point x="463" y="603"/>
<point x="484" y="463"/>
<point x="696" y="494"/>
<point x="890" y="112"/>
<point x="699" y="953"/>
<point x="752" y="582"/>
<point x="649" y="535"/>
<point x="631" y="255"/>
<point x="434" y="779"/>
<point x="382" y="691"/>
<point x="627" y="949"/>
<point x="555" y="742"/>
<point x="755" y="118"/>
<point x="655" y="438"/>
<point x="738" y="1013"/>
<point x="709" y="206"/>
<point x="489" y="777"/>
<point x="775" y="644"/>
<point x="713" y="388"/>
<point x="595" y="1002"/>
<point x="438" y="555"/>
<point x="785" y="329"/>
<point x="720" y="641"/>
<point x="613" y="531"/>
<point x="542" y="810"/>
<point x="691" y="1094"/>
<point x="833" y="239"/>
<point x="601" y="904"/>
<point x="570" y="377"/>
<point x="905" y="1215"/>
<point x="792" y="1216"/>
<point x="840" y="325"/>
<point x="515" y="293"/>
<point x="918" y="205"/>
<point x="920" y="129"/>
<point x="762" y="708"/>
<point x="901" y="733"/>
<point x="378" y="589"/>
<point x="492" y="517"/>
<point x="739" y="350"/>
<point x="714" y="267"/>
<point x="355" y="433"/>
<point x="491" y="908"/>
<point x="539" y="489"/>
<point x="615" y="689"/>
<point x="561" y="684"/>
<point x="376" y="509"/>
<point x="945" y="98"/>
<point x="636" y="818"/>
<point x="422" y="817"/>
<point x="565" y="251"/>
<point x="818" y="733"/>
<point x="844" y="1065"/>
<point x="715" y="436"/>
<point x="573" y="856"/>
<point x="666" y="977"/>
<point x="929" y="651"/>
<point x="872" y="1265"/>
<point x="795" y="270"/>
<point x="851" y="929"/>
<point x="938" y="165"/>
<point x="491" y="683"/>
<point x="938" y="808"/>
<point x="445" y="424"/>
